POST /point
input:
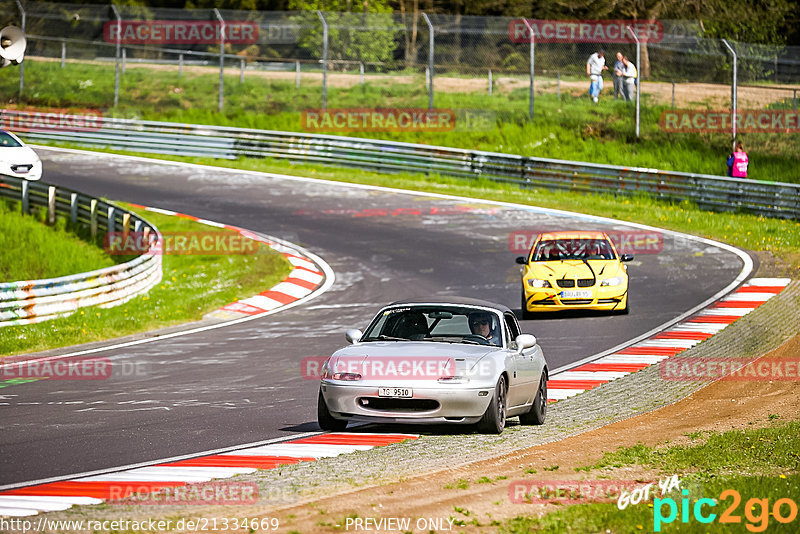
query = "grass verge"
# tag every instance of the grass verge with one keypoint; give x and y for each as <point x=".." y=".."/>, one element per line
<point x="761" y="464"/>
<point x="192" y="286"/>
<point x="570" y="127"/>
<point x="31" y="250"/>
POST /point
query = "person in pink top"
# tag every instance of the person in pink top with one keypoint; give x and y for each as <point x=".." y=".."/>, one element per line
<point x="737" y="162"/>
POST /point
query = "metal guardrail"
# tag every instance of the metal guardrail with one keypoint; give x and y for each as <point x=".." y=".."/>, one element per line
<point x="33" y="301"/>
<point x="772" y="199"/>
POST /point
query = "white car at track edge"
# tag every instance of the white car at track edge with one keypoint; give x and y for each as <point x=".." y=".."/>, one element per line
<point x="17" y="159"/>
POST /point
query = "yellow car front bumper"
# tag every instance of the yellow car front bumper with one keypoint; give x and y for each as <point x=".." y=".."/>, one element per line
<point x="608" y="298"/>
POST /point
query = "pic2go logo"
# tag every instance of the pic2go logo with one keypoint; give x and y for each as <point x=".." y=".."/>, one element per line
<point x="756" y="511"/>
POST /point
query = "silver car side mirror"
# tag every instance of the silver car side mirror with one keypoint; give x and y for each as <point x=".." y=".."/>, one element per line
<point x="525" y="341"/>
<point x="353" y="336"/>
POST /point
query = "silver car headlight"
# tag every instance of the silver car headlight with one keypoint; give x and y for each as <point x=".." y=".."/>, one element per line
<point x="535" y="282"/>
<point x="334" y="371"/>
<point x="346" y="376"/>
<point x="613" y="281"/>
<point x="330" y="372"/>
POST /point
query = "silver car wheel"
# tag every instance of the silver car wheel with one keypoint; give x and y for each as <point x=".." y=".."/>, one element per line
<point x="494" y="420"/>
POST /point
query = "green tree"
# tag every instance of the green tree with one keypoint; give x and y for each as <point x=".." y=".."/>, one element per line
<point x="357" y="31"/>
<point x="752" y="21"/>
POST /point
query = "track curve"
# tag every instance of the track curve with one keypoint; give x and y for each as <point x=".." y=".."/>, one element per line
<point x="242" y="383"/>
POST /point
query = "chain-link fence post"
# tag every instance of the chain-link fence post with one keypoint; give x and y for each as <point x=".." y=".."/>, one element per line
<point x="532" y="59"/>
<point x="638" y="77"/>
<point x="733" y="92"/>
<point x="221" y="58"/>
<point x="673" y="94"/>
<point x="22" y="64"/>
<point x="431" y="41"/>
<point x="324" y="60"/>
<point x="116" y="55"/>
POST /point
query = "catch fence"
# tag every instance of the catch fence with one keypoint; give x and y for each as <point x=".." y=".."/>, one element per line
<point x="437" y="52"/>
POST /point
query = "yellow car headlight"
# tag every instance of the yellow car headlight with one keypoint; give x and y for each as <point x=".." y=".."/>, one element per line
<point x="613" y="281"/>
<point x="535" y="282"/>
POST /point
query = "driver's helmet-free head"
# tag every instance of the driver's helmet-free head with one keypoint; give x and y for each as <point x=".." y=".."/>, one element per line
<point x="477" y="319"/>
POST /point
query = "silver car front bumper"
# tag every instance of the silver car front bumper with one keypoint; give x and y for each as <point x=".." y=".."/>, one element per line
<point x="449" y="403"/>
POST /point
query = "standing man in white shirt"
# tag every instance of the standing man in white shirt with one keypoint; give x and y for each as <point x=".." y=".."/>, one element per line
<point x="594" y="70"/>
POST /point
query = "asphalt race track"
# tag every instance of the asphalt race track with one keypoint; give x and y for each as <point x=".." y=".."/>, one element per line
<point x="242" y="383"/>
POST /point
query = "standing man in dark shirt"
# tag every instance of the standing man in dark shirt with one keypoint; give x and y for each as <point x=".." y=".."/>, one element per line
<point x="619" y="78"/>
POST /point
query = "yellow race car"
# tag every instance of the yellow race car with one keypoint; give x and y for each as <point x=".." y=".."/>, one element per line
<point x="574" y="271"/>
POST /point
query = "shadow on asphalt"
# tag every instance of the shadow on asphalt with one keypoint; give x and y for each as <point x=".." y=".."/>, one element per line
<point x="565" y="314"/>
<point x="375" y="428"/>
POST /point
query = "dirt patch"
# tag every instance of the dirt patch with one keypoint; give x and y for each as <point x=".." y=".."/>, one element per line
<point x="482" y="488"/>
<point x="685" y="95"/>
<point x="786" y="264"/>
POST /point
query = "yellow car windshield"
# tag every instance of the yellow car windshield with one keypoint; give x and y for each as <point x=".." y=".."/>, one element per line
<point x="573" y="249"/>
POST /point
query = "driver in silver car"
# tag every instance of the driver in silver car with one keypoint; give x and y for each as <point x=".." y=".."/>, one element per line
<point x="483" y="324"/>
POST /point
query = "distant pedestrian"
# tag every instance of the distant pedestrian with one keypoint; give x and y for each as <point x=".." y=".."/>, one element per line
<point x="631" y="74"/>
<point x="594" y="70"/>
<point x="738" y="161"/>
<point x="619" y="78"/>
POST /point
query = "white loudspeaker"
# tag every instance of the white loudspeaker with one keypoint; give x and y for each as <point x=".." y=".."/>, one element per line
<point x="12" y="46"/>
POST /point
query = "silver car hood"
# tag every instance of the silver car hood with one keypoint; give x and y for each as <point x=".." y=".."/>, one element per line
<point x="377" y="349"/>
<point x="462" y="357"/>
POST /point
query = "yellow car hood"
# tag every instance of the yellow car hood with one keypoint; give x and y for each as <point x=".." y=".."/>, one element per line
<point x="554" y="270"/>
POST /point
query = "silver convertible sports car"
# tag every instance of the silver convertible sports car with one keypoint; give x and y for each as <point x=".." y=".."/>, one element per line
<point x="454" y="360"/>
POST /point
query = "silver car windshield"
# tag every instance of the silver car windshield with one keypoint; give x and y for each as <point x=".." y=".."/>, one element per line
<point x="573" y="249"/>
<point x="443" y="324"/>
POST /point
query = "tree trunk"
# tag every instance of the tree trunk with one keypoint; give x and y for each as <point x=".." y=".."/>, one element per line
<point x="457" y="41"/>
<point x="412" y="46"/>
